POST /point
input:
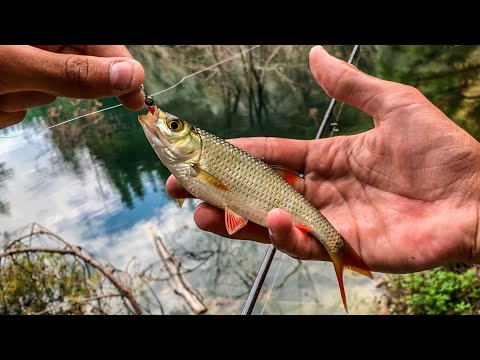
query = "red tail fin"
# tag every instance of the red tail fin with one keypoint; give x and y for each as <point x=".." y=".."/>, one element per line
<point x="350" y="259"/>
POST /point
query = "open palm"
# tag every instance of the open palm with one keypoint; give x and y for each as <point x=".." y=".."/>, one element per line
<point x="405" y="194"/>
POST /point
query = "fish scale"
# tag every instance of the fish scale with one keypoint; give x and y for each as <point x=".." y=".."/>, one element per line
<point x="255" y="188"/>
<point x="229" y="178"/>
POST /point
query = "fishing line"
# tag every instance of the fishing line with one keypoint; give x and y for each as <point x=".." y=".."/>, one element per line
<point x="207" y="68"/>
<point x="273" y="283"/>
<point x="154" y="94"/>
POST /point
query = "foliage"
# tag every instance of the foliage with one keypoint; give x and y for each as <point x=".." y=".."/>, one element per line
<point x="441" y="291"/>
<point x="41" y="273"/>
<point x="447" y="75"/>
<point x="30" y="284"/>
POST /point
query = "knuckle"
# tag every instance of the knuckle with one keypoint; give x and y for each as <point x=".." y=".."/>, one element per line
<point x="408" y="91"/>
<point x="77" y="69"/>
<point x="267" y="149"/>
<point x="411" y="91"/>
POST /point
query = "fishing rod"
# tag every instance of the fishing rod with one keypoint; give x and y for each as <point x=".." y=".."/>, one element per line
<point x="271" y="250"/>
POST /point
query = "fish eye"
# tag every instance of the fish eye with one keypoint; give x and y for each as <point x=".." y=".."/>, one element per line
<point x="175" y="124"/>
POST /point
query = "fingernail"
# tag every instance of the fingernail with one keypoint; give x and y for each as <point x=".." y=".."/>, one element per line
<point x="121" y="75"/>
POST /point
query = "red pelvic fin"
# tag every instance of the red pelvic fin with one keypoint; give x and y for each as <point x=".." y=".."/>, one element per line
<point x="304" y="229"/>
<point x="233" y="221"/>
<point x="290" y="176"/>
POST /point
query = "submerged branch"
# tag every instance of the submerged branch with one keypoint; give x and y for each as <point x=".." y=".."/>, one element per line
<point x="176" y="279"/>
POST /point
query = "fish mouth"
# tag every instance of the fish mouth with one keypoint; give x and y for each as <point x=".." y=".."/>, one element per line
<point x="149" y="124"/>
<point x="148" y="121"/>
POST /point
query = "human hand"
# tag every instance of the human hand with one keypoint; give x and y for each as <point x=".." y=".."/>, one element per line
<point x="32" y="76"/>
<point x="405" y="194"/>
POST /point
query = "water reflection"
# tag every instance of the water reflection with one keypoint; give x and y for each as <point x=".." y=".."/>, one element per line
<point x="97" y="182"/>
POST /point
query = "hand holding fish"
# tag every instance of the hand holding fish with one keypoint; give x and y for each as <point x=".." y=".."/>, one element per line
<point x="32" y="76"/>
<point x="405" y="195"/>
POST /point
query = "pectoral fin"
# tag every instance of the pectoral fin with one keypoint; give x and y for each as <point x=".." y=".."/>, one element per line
<point x="180" y="202"/>
<point x="233" y="221"/>
<point x="205" y="176"/>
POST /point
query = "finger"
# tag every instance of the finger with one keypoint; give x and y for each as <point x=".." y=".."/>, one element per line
<point x="288" y="239"/>
<point x="12" y="118"/>
<point x="94" y="50"/>
<point x="23" y="100"/>
<point x="212" y="219"/>
<point x="133" y="101"/>
<point x="289" y="153"/>
<point x="175" y="190"/>
<point x="107" y="50"/>
<point x="63" y="49"/>
<point x="76" y="76"/>
<point x="346" y="83"/>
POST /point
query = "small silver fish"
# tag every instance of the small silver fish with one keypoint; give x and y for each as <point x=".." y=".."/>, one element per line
<point x="229" y="178"/>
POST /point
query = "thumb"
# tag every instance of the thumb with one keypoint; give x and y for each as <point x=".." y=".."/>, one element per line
<point x="77" y="76"/>
<point x="346" y="83"/>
